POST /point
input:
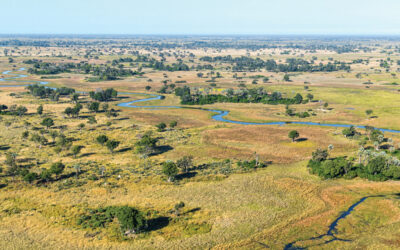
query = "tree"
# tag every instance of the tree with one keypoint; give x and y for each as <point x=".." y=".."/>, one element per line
<point x="320" y="155"/>
<point x="45" y="175"/>
<point x="21" y="110"/>
<point x="81" y="126"/>
<point x="286" y="78"/>
<point x="53" y="134"/>
<point x="161" y="126"/>
<point x="104" y="106"/>
<point x="47" y="122"/>
<point x="111" y="145"/>
<point x="75" y="98"/>
<point x="185" y="163"/>
<point x="369" y="112"/>
<point x="76" y="149"/>
<point x="57" y="168"/>
<point x="77" y="168"/>
<point x="170" y="170"/>
<point x="148" y="87"/>
<point x="92" y="120"/>
<point x="293" y="135"/>
<point x="310" y="97"/>
<point x="40" y="110"/>
<point x="326" y="105"/>
<point x="298" y="98"/>
<point x="94" y="107"/>
<point x="11" y="162"/>
<point x="25" y="135"/>
<point x="30" y="177"/>
<point x="146" y="145"/>
<point x="349" y="132"/>
<point x="101" y="139"/>
<point x="173" y="124"/>
<point x="178" y="207"/>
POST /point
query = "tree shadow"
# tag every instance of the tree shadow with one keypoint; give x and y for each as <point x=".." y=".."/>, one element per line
<point x="121" y="119"/>
<point x="157" y="223"/>
<point x="187" y="175"/>
<point x="301" y="139"/>
<point x="162" y="149"/>
<point x="3" y="185"/>
<point x="4" y="147"/>
<point x="87" y="154"/>
<point x="124" y="149"/>
<point x="191" y="211"/>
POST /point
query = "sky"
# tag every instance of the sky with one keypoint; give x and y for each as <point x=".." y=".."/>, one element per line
<point x="210" y="17"/>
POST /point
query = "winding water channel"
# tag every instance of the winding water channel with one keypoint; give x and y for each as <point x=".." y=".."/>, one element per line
<point x="220" y="116"/>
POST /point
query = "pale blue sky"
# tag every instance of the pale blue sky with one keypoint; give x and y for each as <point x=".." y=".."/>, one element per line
<point x="200" y="17"/>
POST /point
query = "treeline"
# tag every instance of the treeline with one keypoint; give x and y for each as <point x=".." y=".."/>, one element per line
<point x="245" y="63"/>
<point x="103" y="95"/>
<point x="158" y="65"/>
<point x="375" y="166"/>
<point x="52" y="93"/>
<point x="100" y="72"/>
<point x="258" y="95"/>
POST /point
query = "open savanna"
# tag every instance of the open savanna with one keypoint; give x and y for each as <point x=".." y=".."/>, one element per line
<point x="226" y="207"/>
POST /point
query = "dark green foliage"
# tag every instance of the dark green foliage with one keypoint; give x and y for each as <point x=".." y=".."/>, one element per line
<point x="349" y="132"/>
<point x="161" y="126"/>
<point x="293" y="135"/>
<point x="57" y="168"/>
<point x="170" y="169"/>
<point x="103" y="95"/>
<point x="320" y="155"/>
<point x="185" y="163"/>
<point x="258" y="95"/>
<point x="112" y="144"/>
<point x="43" y="92"/>
<point x="40" y="110"/>
<point x="47" y="122"/>
<point x="377" y="169"/>
<point x="102" y="139"/>
<point x="146" y="145"/>
<point x="94" y="106"/>
<point x="130" y="219"/>
<point x="249" y="165"/>
<point x="30" y="177"/>
<point x="244" y="63"/>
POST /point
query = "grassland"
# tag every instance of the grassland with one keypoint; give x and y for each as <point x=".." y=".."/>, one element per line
<point x="225" y="207"/>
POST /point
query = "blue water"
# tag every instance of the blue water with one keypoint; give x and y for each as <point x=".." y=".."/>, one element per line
<point x="332" y="229"/>
<point x="220" y="116"/>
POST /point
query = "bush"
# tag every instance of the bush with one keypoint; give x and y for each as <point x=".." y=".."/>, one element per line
<point x="130" y="219"/>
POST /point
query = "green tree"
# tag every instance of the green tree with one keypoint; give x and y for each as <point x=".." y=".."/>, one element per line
<point x="30" y="177"/>
<point x="286" y="78"/>
<point x="320" y="155"/>
<point x="47" y="122"/>
<point x="57" y="168"/>
<point x="75" y="150"/>
<point x="94" y="107"/>
<point x="173" y="124"/>
<point x="111" y="145"/>
<point x="185" y="163"/>
<point x="161" y="126"/>
<point x="40" y="110"/>
<point x="293" y="135"/>
<point x="146" y="145"/>
<point x="101" y="139"/>
<point x="170" y="170"/>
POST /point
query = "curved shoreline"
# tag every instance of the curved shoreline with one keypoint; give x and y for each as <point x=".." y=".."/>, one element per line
<point x="332" y="229"/>
<point x="220" y="116"/>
